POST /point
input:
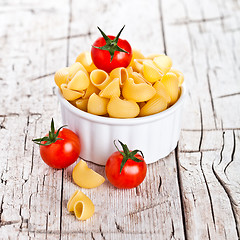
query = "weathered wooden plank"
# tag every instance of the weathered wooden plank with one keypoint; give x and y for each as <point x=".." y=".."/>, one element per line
<point x="208" y="189"/>
<point x="226" y="170"/>
<point x="28" y="59"/>
<point x="211" y="69"/>
<point x="207" y="61"/>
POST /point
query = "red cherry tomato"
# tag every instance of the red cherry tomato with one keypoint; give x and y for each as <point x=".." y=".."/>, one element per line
<point x="59" y="149"/>
<point x="109" y="52"/>
<point x="126" y="169"/>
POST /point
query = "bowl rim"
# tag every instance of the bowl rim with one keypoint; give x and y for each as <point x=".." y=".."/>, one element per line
<point x="122" y="121"/>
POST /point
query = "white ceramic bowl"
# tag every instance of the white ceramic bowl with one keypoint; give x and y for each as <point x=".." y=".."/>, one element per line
<point x="155" y="135"/>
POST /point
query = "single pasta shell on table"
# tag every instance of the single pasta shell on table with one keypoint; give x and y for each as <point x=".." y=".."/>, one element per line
<point x="162" y="91"/>
<point x="136" y="54"/>
<point x="81" y="205"/>
<point x="139" y="92"/>
<point x="154" y="105"/>
<point x="79" y="82"/>
<point x="120" y="73"/>
<point x="151" y="72"/>
<point x="122" y="108"/>
<point x="137" y="65"/>
<point x="170" y="82"/>
<point x="163" y="62"/>
<point x="69" y="94"/>
<point x="74" y="68"/>
<point x="82" y="104"/>
<point x="100" y="78"/>
<point x="97" y="105"/>
<point x="112" y="89"/>
<point x="61" y="76"/>
<point x="90" y="90"/>
<point x="75" y="197"/>
<point x="83" y="210"/>
<point x="179" y="75"/>
<point x="85" y="177"/>
<point x="86" y="60"/>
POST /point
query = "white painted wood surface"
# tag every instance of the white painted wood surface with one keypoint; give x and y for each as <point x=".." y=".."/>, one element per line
<point x="191" y="194"/>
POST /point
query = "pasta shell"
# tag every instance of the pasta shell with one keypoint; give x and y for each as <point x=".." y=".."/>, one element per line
<point x="74" y="68"/>
<point x="61" y="76"/>
<point x="151" y="72"/>
<point x="85" y="177"/>
<point x="179" y="92"/>
<point x="112" y="89"/>
<point x="70" y="94"/>
<point x="138" y="78"/>
<point x="76" y="196"/>
<point x="137" y="65"/>
<point x="152" y="56"/>
<point x="155" y="105"/>
<point x="86" y="60"/>
<point x="74" y="102"/>
<point x="81" y="104"/>
<point x="100" y="78"/>
<point x="163" y="62"/>
<point x="170" y="82"/>
<point x="120" y="73"/>
<point x="81" y="205"/>
<point x="90" y="90"/>
<point x="79" y="82"/>
<point x="179" y="75"/>
<point x="84" y="210"/>
<point x="141" y="104"/>
<point x="97" y="105"/>
<point x="162" y="91"/>
<point x="122" y="108"/>
<point x="129" y="70"/>
<point x="136" y="54"/>
<point x="137" y="92"/>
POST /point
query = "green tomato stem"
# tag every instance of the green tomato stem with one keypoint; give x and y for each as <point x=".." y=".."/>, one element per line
<point x="111" y="45"/>
<point x="127" y="154"/>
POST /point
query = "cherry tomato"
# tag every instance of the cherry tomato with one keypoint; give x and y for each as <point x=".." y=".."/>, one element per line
<point x="59" y="149"/>
<point x="126" y="169"/>
<point x="109" y="52"/>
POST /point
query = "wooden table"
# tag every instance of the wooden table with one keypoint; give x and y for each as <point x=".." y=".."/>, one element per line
<point x="191" y="194"/>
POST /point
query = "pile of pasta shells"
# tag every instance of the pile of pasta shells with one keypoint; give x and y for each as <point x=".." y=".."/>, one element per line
<point x="149" y="85"/>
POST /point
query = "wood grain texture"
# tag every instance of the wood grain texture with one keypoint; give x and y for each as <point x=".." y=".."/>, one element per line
<point x="191" y="194"/>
